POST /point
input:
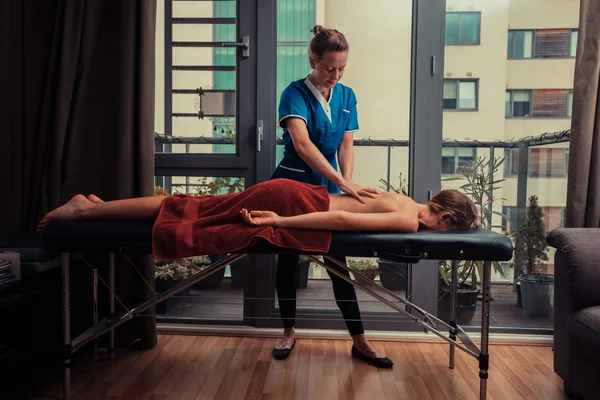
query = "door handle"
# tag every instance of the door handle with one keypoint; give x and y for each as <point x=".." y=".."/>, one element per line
<point x="244" y="45"/>
<point x="259" y="134"/>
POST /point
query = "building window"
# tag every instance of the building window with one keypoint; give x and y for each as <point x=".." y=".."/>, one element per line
<point x="224" y="80"/>
<point x="542" y="43"/>
<point x="574" y="37"/>
<point x="455" y="158"/>
<point x="552" y="43"/>
<point x="520" y="44"/>
<point x="538" y="103"/>
<point x="511" y="162"/>
<point x="295" y="18"/>
<point x="548" y="163"/>
<point x="460" y="94"/>
<point x="518" y="103"/>
<point x="570" y="103"/>
<point x="509" y="224"/>
<point x="554" y="217"/>
<point x="462" y="28"/>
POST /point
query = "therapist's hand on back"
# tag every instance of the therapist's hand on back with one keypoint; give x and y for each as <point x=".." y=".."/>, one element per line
<point x="355" y="190"/>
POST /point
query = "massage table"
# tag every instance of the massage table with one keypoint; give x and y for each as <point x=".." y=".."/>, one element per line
<point x="135" y="237"/>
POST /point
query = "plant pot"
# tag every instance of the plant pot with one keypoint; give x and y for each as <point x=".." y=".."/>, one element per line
<point x="369" y="273"/>
<point x="537" y="294"/>
<point x="237" y="275"/>
<point x="301" y="275"/>
<point x="519" y="297"/>
<point x="213" y="281"/>
<point x="162" y="285"/>
<point x="466" y="304"/>
<point x="393" y="275"/>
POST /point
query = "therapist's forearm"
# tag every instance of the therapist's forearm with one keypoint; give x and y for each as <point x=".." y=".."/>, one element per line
<point x="315" y="159"/>
<point x="346" y="157"/>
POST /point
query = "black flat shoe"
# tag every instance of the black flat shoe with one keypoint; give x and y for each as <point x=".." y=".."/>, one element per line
<point x="282" y="354"/>
<point x="376" y="362"/>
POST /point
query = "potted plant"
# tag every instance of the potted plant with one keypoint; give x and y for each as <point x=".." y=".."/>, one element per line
<point x="479" y="186"/>
<point x="393" y="274"/>
<point x="169" y="273"/>
<point x="537" y="287"/>
<point x="366" y="267"/>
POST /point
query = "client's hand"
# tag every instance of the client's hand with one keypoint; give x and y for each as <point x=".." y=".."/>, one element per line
<point x="260" y="218"/>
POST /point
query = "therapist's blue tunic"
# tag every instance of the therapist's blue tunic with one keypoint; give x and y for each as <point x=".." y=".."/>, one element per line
<point x="326" y="122"/>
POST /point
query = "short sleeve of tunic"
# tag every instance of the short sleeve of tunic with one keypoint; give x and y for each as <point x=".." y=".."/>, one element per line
<point x="293" y="103"/>
<point x="352" y="124"/>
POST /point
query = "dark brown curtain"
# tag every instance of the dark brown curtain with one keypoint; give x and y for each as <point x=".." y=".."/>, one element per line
<point x="583" y="198"/>
<point x="81" y="101"/>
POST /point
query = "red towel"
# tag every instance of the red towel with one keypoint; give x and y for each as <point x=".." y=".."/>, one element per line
<point x="203" y="225"/>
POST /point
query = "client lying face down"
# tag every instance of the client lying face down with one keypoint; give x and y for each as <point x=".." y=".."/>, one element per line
<point x="448" y="210"/>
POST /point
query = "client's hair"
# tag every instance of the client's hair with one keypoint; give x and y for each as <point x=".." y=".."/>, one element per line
<point x="463" y="212"/>
<point x="326" y="40"/>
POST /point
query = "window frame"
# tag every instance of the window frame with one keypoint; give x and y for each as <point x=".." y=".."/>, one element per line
<point x="571" y="54"/>
<point x="458" y="81"/>
<point x="456" y="156"/>
<point x="568" y="114"/>
<point x="509" y="155"/>
<point x="512" y="57"/>
<point x="459" y="13"/>
<point x="511" y="91"/>
<point x="534" y="43"/>
<point x="538" y="175"/>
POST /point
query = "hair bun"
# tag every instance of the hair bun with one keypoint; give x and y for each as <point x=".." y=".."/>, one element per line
<point x="317" y="29"/>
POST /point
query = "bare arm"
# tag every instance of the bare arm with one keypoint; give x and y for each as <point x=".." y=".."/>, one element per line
<point x="397" y="221"/>
<point x="315" y="159"/>
<point x="346" y="155"/>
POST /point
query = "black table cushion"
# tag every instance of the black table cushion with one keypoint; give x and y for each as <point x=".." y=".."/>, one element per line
<point x="136" y="237"/>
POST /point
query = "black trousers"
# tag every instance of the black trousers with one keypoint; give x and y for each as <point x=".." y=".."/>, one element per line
<point x="344" y="293"/>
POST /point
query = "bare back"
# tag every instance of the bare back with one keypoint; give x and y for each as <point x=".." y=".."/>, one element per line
<point x="382" y="203"/>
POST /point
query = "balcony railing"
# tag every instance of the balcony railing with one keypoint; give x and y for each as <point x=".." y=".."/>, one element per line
<point x="524" y="168"/>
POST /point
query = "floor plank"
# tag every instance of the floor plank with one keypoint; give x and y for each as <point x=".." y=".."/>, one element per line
<point x="198" y="367"/>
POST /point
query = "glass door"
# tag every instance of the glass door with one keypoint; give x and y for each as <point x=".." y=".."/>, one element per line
<point x="206" y="133"/>
<point x="394" y="46"/>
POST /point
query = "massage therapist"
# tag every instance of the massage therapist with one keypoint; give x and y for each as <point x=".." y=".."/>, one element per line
<point x="319" y="117"/>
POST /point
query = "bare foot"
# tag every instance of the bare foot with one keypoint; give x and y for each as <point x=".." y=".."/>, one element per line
<point x="363" y="345"/>
<point x="94" y="199"/>
<point x="288" y="339"/>
<point x="69" y="211"/>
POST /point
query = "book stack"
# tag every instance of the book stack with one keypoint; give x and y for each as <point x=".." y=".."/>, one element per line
<point x="7" y="278"/>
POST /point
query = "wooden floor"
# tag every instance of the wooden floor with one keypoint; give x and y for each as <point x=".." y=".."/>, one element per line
<point x="199" y="367"/>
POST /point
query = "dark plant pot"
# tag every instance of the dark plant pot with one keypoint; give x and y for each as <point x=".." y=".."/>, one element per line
<point x="301" y="275"/>
<point x="466" y="304"/>
<point x="537" y="293"/>
<point x="237" y="275"/>
<point x="369" y="273"/>
<point x="519" y="298"/>
<point x="212" y="281"/>
<point x="393" y="275"/>
<point x="162" y="285"/>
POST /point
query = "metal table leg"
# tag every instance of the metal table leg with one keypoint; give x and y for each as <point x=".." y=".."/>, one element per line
<point x="452" y="321"/>
<point x="65" y="259"/>
<point x="95" y="303"/>
<point x="111" y="308"/>
<point x="485" y="325"/>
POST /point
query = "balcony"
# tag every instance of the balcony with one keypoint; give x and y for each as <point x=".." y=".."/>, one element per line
<point x="533" y="166"/>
